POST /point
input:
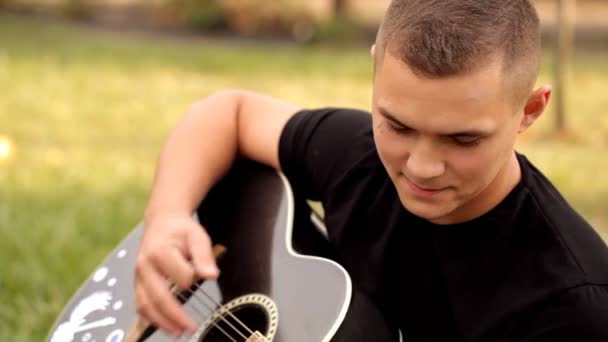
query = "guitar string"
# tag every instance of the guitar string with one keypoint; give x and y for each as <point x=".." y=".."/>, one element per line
<point x="230" y="313"/>
<point x="222" y="308"/>
<point x="212" y="322"/>
<point x="222" y="317"/>
<point x="193" y="294"/>
<point x="211" y="310"/>
<point x="209" y="337"/>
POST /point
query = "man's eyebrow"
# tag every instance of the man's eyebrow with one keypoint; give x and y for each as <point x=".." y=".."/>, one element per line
<point x="466" y="133"/>
<point x="390" y="116"/>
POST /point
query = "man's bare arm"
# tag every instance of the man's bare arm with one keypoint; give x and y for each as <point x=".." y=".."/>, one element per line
<point x="204" y="144"/>
<point x="197" y="153"/>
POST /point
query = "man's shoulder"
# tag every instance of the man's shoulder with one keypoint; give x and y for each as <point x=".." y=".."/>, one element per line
<point x="319" y="147"/>
<point x="548" y="200"/>
<point x="576" y="236"/>
<point x="335" y="129"/>
<point x="539" y="257"/>
<point x="346" y="115"/>
<point x="575" y="314"/>
<point x="344" y="133"/>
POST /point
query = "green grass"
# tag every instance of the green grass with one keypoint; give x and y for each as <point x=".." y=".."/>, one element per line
<point x="88" y="111"/>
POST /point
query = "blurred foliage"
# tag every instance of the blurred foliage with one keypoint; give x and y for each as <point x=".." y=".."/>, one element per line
<point x="293" y="19"/>
<point x="205" y="15"/>
<point x="77" y="9"/>
<point x="279" y="16"/>
<point x="287" y="18"/>
<point x="341" y="29"/>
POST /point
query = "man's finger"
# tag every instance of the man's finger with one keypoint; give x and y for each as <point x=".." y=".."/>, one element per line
<point x="163" y="302"/>
<point x="150" y="316"/>
<point x="175" y="267"/>
<point x="199" y="247"/>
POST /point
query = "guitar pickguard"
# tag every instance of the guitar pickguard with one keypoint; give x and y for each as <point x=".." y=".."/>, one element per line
<point x="98" y="313"/>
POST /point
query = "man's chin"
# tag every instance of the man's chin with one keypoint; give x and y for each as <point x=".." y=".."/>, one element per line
<point x="429" y="211"/>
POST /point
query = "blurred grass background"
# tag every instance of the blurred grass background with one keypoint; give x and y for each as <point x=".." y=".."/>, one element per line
<point x="83" y="113"/>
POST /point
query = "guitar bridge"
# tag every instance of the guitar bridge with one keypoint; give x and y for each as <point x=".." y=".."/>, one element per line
<point x="257" y="337"/>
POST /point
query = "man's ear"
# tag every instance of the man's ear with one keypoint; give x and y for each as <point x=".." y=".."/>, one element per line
<point x="535" y="106"/>
<point x="372" y="51"/>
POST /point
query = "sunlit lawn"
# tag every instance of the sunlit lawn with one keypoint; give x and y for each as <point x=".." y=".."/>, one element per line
<point x="83" y="114"/>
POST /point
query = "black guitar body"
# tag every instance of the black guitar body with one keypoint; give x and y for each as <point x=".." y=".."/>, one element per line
<point x="266" y="290"/>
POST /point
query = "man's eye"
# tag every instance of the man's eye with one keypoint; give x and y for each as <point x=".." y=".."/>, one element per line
<point x="399" y="128"/>
<point x="467" y="141"/>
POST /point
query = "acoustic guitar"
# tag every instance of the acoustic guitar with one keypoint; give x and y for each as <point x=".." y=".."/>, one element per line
<point x="266" y="291"/>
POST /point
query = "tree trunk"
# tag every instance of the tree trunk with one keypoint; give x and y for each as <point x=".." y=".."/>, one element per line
<point x="340" y="8"/>
<point x="563" y="55"/>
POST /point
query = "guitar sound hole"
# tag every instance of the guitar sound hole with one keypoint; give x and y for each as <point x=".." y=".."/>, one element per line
<point x="239" y="324"/>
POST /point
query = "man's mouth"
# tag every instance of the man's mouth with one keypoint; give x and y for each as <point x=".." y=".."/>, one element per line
<point x="422" y="190"/>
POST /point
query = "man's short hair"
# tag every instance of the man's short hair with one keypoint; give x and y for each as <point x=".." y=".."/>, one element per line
<point x="441" y="38"/>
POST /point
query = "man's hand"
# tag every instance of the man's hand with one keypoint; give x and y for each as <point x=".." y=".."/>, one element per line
<point x="198" y="152"/>
<point x="174" y="249"/>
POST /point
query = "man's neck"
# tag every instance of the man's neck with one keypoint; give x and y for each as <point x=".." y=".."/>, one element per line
<point x="504" y="182"/>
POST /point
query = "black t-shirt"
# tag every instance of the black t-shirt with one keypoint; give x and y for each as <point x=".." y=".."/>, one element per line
<point x="531" y="269"/>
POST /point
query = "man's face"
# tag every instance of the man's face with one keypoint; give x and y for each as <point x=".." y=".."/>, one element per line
<point x="446" y="143"/>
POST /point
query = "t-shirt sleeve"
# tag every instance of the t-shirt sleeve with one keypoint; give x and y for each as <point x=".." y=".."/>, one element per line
<point x="318" y="146"/>
<point x="581" y="314"/>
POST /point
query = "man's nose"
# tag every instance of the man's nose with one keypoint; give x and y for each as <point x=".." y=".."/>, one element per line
<point x="424" y="161"/>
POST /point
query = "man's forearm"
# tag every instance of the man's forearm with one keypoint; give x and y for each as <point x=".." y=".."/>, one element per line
<point x="197" y="153"/>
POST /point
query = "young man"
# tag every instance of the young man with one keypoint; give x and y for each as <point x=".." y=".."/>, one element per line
<point x="450" y="232"/>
